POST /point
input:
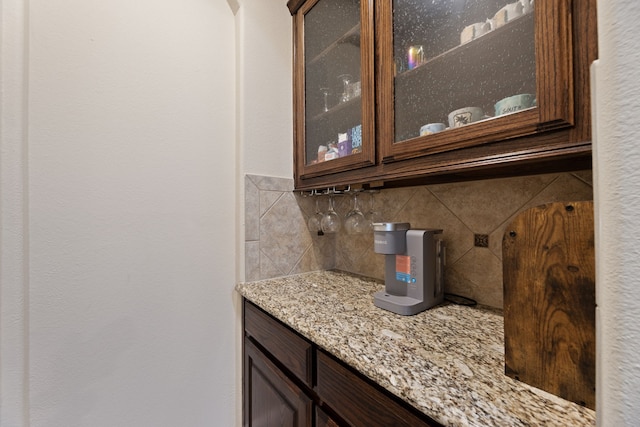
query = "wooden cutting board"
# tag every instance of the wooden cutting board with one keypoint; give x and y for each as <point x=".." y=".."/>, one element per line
<point x="549" y="300"/>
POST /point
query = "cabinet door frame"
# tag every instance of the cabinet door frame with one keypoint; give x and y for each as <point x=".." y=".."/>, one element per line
<point x="256" y="361"/>
<point x="368" y="155"/>
<point x="554" y="80"/>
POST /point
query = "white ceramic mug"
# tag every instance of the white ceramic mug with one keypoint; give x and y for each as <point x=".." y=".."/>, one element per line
<point x="473" y="31"/>
<point x="508" y="13"/>
<point x="432" y="128"/>
<point x="527" y="6"/>
<point x="465" y="116"/>
<point x="515" y="103"/>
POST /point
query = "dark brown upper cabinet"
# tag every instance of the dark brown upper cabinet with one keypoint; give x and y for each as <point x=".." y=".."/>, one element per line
<point x="440" y="90"/>
<point x="334" y="86"/>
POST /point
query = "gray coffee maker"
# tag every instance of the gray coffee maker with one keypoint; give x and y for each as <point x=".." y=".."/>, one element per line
<point x="414" y="264"/>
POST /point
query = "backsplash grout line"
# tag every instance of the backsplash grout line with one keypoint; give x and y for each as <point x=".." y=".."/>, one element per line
<point x="582" y="179"/>
<point x="522" y="206"/>
<point x="268" y="208"/>
<point x="450" y="211"/>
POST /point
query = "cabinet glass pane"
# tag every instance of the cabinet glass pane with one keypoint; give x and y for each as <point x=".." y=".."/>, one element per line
<point x="333" y="107"/>
<point x="461" y="61"/>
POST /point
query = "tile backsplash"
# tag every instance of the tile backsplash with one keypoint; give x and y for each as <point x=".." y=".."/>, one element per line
<point x="472" y="214"/>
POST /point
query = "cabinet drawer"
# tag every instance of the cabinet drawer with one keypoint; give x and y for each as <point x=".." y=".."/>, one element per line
<point x="358" y="402"/>
<point x="293" y="351"/>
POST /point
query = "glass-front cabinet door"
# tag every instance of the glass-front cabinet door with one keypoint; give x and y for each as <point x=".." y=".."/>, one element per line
<point x="334" y="86"/>
<point x="460" y="73"/>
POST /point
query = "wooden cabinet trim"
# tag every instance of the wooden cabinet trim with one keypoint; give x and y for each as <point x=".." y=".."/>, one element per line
<point x="294" y="5"/>
<point x="555" y="64"/>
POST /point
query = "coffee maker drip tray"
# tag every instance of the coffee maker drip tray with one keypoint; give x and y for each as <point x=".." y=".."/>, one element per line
<point x="399" y="304"/>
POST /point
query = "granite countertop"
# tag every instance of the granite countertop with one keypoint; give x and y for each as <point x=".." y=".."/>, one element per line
<point x="448" y="361"/>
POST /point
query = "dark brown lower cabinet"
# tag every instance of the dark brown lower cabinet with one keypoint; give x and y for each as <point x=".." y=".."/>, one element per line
<point x="324" y="420"/>
<point x="288" y="381"/>
<point x="359" y="402"/>
<point x="271" y="399"/>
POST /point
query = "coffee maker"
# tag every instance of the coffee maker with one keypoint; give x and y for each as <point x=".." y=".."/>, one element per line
<point x="414" y="264"/>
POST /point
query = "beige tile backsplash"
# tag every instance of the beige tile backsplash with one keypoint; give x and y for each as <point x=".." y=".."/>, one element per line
<point x="278" y="242"/>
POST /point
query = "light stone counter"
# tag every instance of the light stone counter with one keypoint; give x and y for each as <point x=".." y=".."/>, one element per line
<point x="447" y="361"/>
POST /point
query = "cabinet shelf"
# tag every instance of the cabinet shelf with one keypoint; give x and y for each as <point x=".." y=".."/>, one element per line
<point x="500" y="36"/>
<point x="341" y="107"/>
<point x="351" y="37"/>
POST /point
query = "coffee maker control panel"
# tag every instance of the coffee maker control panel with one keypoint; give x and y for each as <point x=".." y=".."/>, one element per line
<point x="406" y="268"/>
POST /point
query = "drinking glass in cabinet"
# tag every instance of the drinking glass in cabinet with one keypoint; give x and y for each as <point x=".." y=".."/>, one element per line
<point x="345" y="81"/>
<point x="325" y="98"/>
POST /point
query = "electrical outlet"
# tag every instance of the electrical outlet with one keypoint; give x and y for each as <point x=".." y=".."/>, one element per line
<point x="481" y="240"/>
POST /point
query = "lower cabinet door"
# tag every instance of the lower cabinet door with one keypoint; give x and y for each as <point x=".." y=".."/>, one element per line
<point x="324" y="420"/>
<point x="270" y="398"/>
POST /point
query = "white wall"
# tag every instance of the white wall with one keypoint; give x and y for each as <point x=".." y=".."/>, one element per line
<point x="265" y="87"/>
<point x="265" y="97"/>
<point x="13" y="218"/>
<point x="617" y="200"/>
<point x="124" y="214"/>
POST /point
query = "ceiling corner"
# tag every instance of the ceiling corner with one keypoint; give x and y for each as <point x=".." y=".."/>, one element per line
<point x="234" y="5"/>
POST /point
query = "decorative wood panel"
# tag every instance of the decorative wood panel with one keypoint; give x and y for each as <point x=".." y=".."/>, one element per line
<point x="549" y="300"/>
